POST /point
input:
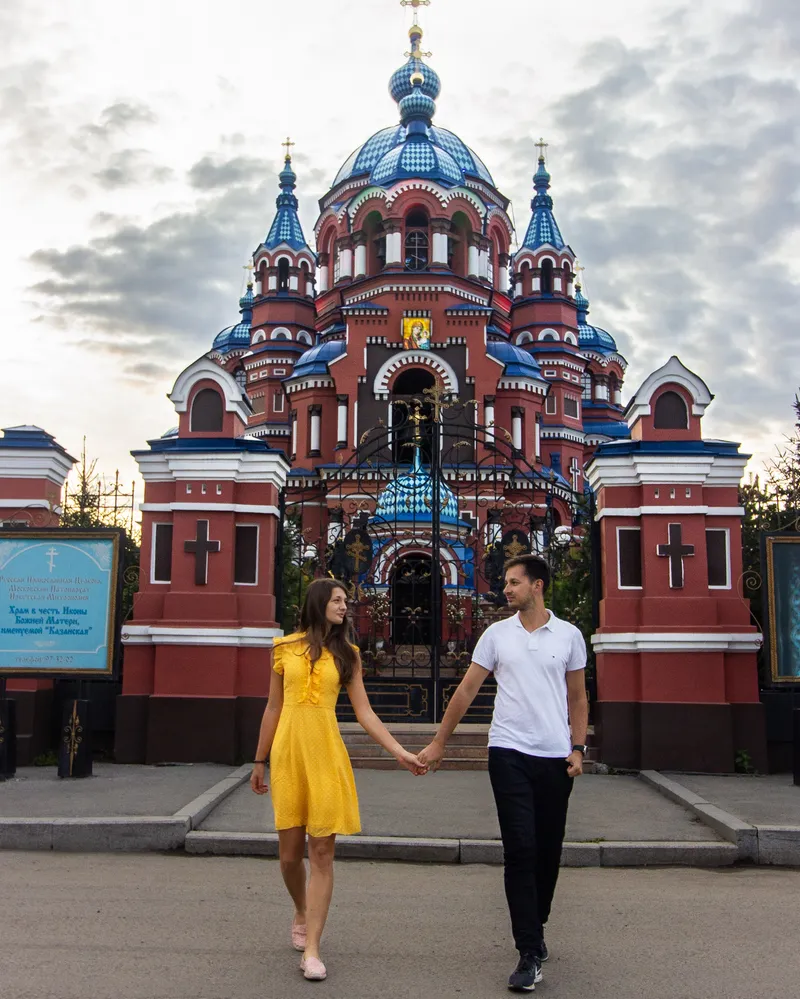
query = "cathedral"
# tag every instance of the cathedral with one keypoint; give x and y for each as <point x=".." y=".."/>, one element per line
<point x="417" y="281"/>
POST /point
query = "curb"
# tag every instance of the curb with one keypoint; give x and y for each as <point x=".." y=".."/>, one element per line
<point x="100" y="835"/>
<point x="778" y="845"/>
<point x="204" y="804"/>
<point x="474" y="851"/>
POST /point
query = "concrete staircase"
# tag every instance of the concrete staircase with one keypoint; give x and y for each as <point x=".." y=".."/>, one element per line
<point x="466" y="750"/>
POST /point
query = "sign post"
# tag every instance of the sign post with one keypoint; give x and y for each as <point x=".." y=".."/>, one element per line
<point x="60" y="592"/>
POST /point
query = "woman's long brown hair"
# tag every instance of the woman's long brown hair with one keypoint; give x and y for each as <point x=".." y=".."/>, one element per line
<point x="338" y="640"/>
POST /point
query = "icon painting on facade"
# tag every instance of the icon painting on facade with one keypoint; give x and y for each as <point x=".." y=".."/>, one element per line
<point x="416" y="333"/>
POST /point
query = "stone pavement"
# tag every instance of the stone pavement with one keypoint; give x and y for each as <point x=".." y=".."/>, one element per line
<point x="178" y="927"/>
<point x="444" y="817"/>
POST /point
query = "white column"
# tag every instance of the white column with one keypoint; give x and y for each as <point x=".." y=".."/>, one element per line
<point x="258" y="287"/>
<point x="488" y="415"/>
<point x="355" y="423"/>
<point x="503" y="286"/>
<point x="617" y="397"/>
<point x="316" y="423"/>
<point x="473" y="264"/>
<point x="323" y="278"/>
<point x="393" y="247"/>
<point x="294" y="433"/>
<point x="345" y="262"/>
<point x="537" y="440"/>
<point x="516" y="431"/>
<point x="601" y="391"/>
<point x="483" y="263"/>
<point x="537" y="284"/>
<point x="570" y="289"/>
<point x="439" y="248"/>
<point x="361" y="260"/>
<point x="557" y="283"/>
<point x="273" y="282"/>
<point x="518" y="288"/>
<point x="341" y="421"/>
<point x="310" y="286"/>
<point x="294" y="283"/>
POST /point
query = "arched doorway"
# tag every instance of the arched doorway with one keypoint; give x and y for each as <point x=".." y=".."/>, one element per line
<point x="412" y="622"/>
<point x="407" y="393"/>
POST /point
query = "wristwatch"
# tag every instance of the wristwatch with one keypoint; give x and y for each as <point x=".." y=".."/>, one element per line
<point x="580" y="749"/>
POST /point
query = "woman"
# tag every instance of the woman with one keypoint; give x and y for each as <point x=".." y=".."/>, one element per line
<point x="313" y="790"/>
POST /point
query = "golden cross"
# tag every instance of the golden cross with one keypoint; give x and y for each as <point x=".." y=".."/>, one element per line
<point x="415" y="4"/>
<point x="356" y="550"/>
<point x="541" y="145"/>
<point x="436" y="397"/>
<point x="416" y="419"/>
<point x="288" y="144"/>
<point x="578" y="272"/>
<point x="249" y="268"/>
<point x="514" y="548"/>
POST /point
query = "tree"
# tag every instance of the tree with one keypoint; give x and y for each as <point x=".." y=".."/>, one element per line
<point x="92" y="502"/>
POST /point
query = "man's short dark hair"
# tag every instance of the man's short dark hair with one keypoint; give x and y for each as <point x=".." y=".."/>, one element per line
<point x="534" y="565"/>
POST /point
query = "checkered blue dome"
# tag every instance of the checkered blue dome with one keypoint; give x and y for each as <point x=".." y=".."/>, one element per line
<point x="237" y="337"/>
<point x="417" y="158"/>
<point x="543" y="227"/>
<point x="591" y="336"/>
<point x="409" y="498"/>
<point x="400" y="85"/>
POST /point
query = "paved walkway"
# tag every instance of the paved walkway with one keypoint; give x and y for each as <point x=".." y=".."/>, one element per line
<point x="444" y="817"/>
<point x="175" y="927"/>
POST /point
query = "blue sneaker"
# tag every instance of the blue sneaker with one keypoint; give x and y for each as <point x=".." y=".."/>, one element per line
<point x="526" y="975"/>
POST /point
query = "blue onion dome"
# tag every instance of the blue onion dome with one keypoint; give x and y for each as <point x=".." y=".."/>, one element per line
<point x="286" y="226"/>
<point x="417" y="159"/>
<point x="542" y="228"/>
<point x="237" y="337"/>
<point x="315" y="361"/>
<point x="591" y="337"/>
<point x="400" y="85"/>
<point x="409" y="498"/>
<point x="417" y="105"/>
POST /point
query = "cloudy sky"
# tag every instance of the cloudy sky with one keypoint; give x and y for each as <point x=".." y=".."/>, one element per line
<point x="140" y="141"/>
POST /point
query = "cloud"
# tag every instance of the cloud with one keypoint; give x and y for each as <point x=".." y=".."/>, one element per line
<point x="210" y="173"/>
<point x="131" y="168"/>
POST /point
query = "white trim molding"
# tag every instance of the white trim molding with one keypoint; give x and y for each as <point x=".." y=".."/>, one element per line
<point x="267" y="467"/>
<point x="674" y="372"/>
<point x="423" y="358"/>
<point x="636" y="469"/>
<point x="35" y="463"/>
<point x="671" y="641"/>
<point x="668" y="511"/>
<point x="147" y="634"/>
<point x="268" y="511"/>
<point x="204" y="369"/>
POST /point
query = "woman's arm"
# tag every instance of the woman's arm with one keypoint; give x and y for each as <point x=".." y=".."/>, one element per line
<point x="375" y="728"/>
<point x="266" y="735"/>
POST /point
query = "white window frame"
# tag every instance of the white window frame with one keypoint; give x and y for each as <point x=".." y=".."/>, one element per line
<point x="577" y="401"/>
<point x="153" y="580"/>
<point x="278" y="397"/>
<point x="628" y="527"/>
<point x="727" y="532"/>
<point x="258" y="551"/>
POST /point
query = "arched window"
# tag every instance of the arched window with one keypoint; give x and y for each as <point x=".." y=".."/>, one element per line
<point x="305" y="279"/>
<point x="283" y="274"/>
<point x="526" y="337"/>
<point x="417" y="246"/>
<point x="547" y="277"/>
<point x="613" y="390"/>
<point x="567" y="273"/>
<point x="671" y="412"/>
<point x="586" y="380"/>
<point x="303" y="337"/>
<point x="207" y="411"/>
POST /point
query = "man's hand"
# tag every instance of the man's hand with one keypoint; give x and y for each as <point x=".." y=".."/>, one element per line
<point x="575" y="761"/>
<point x="431" y="756"/>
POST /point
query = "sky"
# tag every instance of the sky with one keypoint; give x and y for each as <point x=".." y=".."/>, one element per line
<point x="140" y="144"/>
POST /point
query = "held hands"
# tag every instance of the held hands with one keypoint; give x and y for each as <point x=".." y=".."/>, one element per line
<point x="431" y="756"/>
<point x="575" y="761"/>
<point x="411" y="762"/>
<point x="257" y="782"/>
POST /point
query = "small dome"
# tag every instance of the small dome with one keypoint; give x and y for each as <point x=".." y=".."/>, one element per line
<point x="233" y="338"/>
<point x="516" y="360"/>
<point x="316" y="360"/>
<point x="417" y="103"/>
<point x="593" y="336"/>
<point x="400" y="85"/>
<point x="417" y="158"/>
<point x="409" y="498"/>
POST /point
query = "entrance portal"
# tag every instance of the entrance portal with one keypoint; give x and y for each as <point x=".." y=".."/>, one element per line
<point x="412" y="621"/>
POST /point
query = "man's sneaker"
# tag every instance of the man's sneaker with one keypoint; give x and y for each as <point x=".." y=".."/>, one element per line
<point x="543" y="952"/>
<point x="526" y="975"/>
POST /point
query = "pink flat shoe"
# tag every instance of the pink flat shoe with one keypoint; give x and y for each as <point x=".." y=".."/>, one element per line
<point x="313" y="969"/>
<point x="299" y="936"/>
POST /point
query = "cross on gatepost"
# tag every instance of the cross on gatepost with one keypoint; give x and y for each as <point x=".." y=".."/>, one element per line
<point x="201" y="547"/>
<point x="675" y="551"/>
<point x="574" y="471"/>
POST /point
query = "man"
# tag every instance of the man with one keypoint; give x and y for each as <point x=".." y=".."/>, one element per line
<point x="538" y="661"/>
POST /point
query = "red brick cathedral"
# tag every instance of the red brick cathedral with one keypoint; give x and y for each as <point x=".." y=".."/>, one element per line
<point x="417" y="281"/>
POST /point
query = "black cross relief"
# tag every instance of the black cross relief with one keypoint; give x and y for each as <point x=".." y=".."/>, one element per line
<point x="200" y="548"/>
<point x="675" y="551"/>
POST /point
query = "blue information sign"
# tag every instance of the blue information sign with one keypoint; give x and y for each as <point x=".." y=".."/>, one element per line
<point x="58" y="596"/>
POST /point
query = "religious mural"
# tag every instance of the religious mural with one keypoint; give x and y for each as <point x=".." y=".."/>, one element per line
<point x="417" y="333"/>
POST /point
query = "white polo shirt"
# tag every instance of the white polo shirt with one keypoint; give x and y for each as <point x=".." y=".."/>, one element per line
<point x="530" y="709"/>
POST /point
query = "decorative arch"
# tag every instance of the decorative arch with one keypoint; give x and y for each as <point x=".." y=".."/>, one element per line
<point x="280" y="333"/>
<point x="205" y="369"/>
<point x="673" y="373"/>
<point x="367" y="202"/>
<point x="259" y="336"/>
<point x="305" y="337"/>
<point x="570" y="338"/>
<point x="418" y="358"/>
<point x="549" y="334"/>
<point x="525" y="337"/>
<point x="398" y="548"/>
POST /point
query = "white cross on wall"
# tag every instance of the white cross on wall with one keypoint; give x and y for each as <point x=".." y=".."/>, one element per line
<point x="575" y="472"/>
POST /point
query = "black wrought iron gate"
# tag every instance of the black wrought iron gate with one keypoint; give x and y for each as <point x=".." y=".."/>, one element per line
<point x="435" y="481"/>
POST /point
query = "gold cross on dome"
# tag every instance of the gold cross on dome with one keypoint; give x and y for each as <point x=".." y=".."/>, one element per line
<point x="541" y="145"/>
<point x="415" y="4"/>
<point x="579" y="273"/>
<point x="288" y="144"/>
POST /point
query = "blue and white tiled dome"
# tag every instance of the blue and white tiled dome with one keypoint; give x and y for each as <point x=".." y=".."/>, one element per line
<point x="237" y="337"/>
<point x="518" y="362"/>
<point x="409" y="498"/>
<point x="417" y="159"/>
<point x="316" y="360"/>
<point x="591" y="337"/>
<point x="400" y="85"/>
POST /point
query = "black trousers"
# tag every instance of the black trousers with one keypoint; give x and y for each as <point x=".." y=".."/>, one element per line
<point x="532" y="796"/>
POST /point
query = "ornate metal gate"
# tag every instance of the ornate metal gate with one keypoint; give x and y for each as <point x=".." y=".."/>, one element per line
<point x="435" y="481"/>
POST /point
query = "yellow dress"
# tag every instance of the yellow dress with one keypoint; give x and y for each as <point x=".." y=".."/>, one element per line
<point x="310" y="773"/>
